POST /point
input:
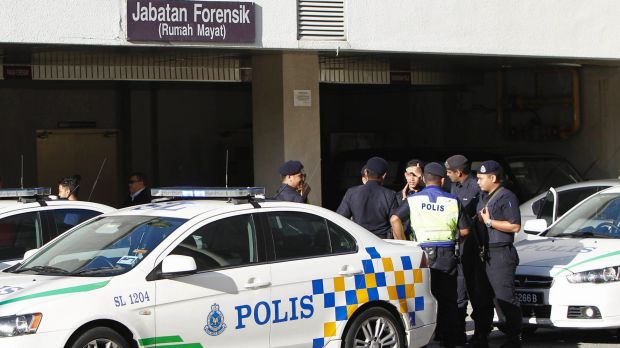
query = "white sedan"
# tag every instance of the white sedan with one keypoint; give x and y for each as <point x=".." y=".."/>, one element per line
<point x="218" y="273"/>
<point x="29" y="219"/>
<point x="569" y="276"/>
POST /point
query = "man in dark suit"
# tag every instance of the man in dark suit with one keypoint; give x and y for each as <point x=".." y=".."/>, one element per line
<point x="138" y="192"/>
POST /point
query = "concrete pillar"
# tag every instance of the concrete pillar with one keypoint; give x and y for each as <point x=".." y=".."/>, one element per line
<point x="281" y="130"/>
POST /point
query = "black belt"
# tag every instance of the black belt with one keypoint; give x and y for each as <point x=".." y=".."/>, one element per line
<point x="499" y="245"/>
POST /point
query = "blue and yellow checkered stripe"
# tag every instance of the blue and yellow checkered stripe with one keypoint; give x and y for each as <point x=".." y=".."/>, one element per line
<point x="383" y="278"/>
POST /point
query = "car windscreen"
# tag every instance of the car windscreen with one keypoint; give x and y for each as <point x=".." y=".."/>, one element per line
<point x="536" y="175"/>
<point x="106" y="246"/>
<point x="596" y="217"/>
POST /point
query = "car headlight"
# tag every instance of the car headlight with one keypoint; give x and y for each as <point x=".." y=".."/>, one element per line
<point x="17" y="325"/>
<point x="603" y="275"/>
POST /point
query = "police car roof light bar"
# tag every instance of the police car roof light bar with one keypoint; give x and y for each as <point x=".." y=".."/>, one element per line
<point x="25" y="192"/>
<point x="208" y="192"/>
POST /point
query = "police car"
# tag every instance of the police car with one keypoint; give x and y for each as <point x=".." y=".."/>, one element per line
<point x="29" y="219"/>
<point x="570" y="275"/>
<point x="239" y="272"/>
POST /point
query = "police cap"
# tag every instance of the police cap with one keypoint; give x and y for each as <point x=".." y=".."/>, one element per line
<point x="490" y="167"/>
<point x="457" y="162"/>
<point x="291" y="167"/>
<point x="434" y="168"/>
<point x="378" y="165"/>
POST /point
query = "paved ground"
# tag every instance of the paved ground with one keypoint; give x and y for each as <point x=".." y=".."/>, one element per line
<point x="564" y="338"/>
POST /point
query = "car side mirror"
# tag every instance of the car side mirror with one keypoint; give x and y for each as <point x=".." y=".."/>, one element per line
<point x="535" y="226"/>
<point x="30" y="252"/>
<point x="178" y="265"/>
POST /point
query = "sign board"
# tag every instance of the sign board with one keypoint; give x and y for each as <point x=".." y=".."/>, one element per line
<point x="196" y="21"/>
<point x="302" y="97"/>
<point x="17" y="72"/>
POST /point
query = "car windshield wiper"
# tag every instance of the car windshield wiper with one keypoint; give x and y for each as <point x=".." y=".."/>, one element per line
<point x="96" y="270"/>
<point x="576" y="234"/>
<point x="43" y="269"/>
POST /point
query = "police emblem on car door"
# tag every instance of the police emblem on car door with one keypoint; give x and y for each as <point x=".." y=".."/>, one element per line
<point x="209" y="307"/>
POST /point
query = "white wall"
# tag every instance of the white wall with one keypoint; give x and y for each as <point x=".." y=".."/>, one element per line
<point x="563" y="28"/>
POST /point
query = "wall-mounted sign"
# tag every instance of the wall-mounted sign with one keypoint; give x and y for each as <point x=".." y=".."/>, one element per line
<point x="201" y="21"/>
<point x="302" y="98"/>
<point x="17" y="72"/>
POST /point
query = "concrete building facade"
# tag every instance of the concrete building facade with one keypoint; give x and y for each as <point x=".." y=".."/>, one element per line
<point x="318" y="78"/>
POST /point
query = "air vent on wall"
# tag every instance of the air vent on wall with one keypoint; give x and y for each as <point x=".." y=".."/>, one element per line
<point x="151" y="67"/>
<point x="320" y="20"/>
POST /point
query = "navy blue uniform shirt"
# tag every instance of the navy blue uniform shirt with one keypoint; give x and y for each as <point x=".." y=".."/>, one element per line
<point x="468" y="193"/>
<point x="289" y="194"/>
<point x="504" y="207"/>
<point x="371" y="206"/>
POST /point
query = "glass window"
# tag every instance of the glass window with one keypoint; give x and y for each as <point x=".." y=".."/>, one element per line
<point x="223" y="243"/>
<point x="65" y="219"/>
<point x="106" y="246"/>
<point x="298" y="235"/>
<point x="566" y="200"/>
<point x="597" y="217"/>
<point x="535" y="175"/>
<point x="18" y="234"/>
<point x="569" y="198"/>
<point x="341" y="240"/>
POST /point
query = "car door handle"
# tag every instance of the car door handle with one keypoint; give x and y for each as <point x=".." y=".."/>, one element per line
<point x="348" y="271"/>
<point x="254" y="283"/>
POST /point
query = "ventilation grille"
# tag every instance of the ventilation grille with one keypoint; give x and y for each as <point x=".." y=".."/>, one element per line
<point x="163" y="67"/>
<point x="320" y="20"/>
<point x="355" y="70"/>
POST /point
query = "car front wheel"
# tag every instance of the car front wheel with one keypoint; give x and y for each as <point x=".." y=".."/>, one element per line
<point x="100" y="337"/>
<point x="376" y="327"/>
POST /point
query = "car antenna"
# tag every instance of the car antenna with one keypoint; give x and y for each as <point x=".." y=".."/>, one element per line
<point x="97" y="178"/>
<point x="21" y="179"/>
<point x="226" y="179"/>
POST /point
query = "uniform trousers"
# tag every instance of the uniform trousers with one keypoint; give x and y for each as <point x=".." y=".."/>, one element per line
<point x="500" y="272"/>
<point x="442" y="263"/>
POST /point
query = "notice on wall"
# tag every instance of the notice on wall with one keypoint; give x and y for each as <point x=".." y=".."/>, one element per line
<point x="302" y="98"/>
<point x="200" y="21"/>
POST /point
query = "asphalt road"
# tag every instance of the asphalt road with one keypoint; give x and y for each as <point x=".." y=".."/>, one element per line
<point x="564" y="338"/>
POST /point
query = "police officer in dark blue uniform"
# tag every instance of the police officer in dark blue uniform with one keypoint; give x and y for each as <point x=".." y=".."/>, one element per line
<point x="293" y="188"/>
<point x="436" y="219"/>
<point x="465" y="188"/>
<point x="498" y="212"/>
<point x="413" y="177"/>
<point x="371" y="205"/>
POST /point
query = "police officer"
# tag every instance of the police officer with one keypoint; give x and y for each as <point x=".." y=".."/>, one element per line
<point x="371" y="205"/>
<point x="498" y="212"/>
<point x="437" y="218"/>
<point x="293" y="188"/>
<point x="413" y="184"/>
<point x="68" y="187"/>
<point x="466" y="189"/>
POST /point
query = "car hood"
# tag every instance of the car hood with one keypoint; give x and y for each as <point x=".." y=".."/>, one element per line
<point x="21" y="289"/>
<point x="558" y="255"/>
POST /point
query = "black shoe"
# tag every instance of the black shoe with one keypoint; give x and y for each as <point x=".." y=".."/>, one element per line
<point x="437" y="337"/>
<point x="478" y="342"/>
<point x="512" y="342"/>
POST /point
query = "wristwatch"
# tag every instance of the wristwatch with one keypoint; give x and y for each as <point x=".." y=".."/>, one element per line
<point x="488" y="223"/>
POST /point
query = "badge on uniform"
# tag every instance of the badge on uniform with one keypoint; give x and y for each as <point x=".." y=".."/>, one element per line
<point x="215" y="321"/>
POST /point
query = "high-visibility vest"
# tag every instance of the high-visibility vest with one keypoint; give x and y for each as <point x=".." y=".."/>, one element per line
<point x="433" y="221"/>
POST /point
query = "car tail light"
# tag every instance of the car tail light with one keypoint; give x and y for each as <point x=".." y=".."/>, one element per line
<point x="424" y="261"/>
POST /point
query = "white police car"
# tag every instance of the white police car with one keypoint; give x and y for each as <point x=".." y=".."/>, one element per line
<point x="217" y="273"/>
<point x="569" y="276"/>
<point x="29" y="219"/>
